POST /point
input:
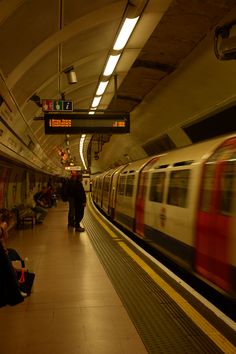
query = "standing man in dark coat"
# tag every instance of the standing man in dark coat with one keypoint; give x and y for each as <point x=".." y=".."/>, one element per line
<point x="77" y="201"/>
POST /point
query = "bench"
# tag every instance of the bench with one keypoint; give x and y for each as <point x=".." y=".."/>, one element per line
<point x="24" y="215"/>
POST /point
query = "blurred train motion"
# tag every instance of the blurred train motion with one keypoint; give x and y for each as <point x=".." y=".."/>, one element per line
<point x="182" y="203"/>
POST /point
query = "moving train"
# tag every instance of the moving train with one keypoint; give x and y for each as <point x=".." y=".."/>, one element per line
<point x="183" y="203"/>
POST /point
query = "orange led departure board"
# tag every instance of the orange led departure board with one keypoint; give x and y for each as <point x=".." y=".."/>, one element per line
<point x="75" y="123"/>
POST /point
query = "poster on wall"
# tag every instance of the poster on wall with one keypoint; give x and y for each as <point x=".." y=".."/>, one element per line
<point x="4" y="178"/>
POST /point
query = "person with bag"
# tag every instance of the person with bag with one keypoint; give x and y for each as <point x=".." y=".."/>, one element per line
<point x="5" y="217"/>
<point x="21" y="275"/>
<point x="77" y="201"/>
<point x="10" y="293"/>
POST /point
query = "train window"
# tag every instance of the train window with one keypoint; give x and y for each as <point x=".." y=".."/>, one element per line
<point x="183" y="163"/>
<point x="157" y="187"/>
<point x="162" y="166"/>
<point x="129" y="186"/>
<point x="228" y="191"/>
<point x="178" y="188"/>
<point x="121" y="185"/>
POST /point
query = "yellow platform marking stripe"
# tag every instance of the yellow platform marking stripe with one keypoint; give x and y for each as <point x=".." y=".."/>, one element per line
<point x="199" y="320"/>
<point x="109" y="231"/>
<point x="222" y="342"/>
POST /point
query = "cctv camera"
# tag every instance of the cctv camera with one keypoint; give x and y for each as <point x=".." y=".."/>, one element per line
<point x="225" y="41"/>
<point x="71" y="75"/>
<point x="227" y="48"/>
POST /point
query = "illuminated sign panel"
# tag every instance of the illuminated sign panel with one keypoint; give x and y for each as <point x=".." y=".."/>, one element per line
<point x="73" y="168"/>
<point x="49" y="105"/>
<point x="75" y="123"/>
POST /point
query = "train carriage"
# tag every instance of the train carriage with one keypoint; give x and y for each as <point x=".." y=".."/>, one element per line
<point x="183" y="202"/>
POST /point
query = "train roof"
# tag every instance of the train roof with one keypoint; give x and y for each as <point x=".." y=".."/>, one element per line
<point x="191" y="154"/>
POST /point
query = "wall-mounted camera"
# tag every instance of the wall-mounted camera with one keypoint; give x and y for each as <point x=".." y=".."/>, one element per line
<point x="225" y="41"/>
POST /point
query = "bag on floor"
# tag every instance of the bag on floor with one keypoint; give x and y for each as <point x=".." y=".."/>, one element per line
<point x="26" y="280"/>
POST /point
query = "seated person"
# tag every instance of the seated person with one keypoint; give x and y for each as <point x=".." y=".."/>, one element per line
<point x="5" y="217"/>
<point x="50" y="197"/>
<point x="10" y="293"/>
<point x="41" y="205"/>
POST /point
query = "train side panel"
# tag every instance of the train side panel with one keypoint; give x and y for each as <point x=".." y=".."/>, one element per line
<point x="127" y="193"/>
<point x="170" y="209"/>
<point x="113" y="191"/>
<point x="106" y="190"/>
<point x="99" y="189"/>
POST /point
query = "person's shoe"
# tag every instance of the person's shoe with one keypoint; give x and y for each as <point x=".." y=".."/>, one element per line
<point x="79" y="229"/>
<point x="38" y="222"/>
<point x="23" y="294"/>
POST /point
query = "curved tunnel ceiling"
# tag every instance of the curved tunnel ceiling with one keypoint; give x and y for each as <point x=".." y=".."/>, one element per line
<point x="39" y="40"/>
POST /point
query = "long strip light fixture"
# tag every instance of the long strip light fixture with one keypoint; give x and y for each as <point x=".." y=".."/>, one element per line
<point x="121" y="41"/>
<point x="122" y="38"/>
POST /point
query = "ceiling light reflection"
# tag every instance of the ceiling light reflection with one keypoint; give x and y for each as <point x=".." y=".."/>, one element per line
<point x="81" y="145"/>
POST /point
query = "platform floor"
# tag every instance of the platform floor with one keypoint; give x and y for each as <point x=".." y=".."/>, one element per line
<point x="74" y="308"/>
<point x="96" y="293"/>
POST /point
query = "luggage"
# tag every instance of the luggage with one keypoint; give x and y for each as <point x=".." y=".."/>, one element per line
<point x="26" y="280"/>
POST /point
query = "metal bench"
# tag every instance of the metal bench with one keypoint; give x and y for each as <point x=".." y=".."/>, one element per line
<point x="24" y="215"/>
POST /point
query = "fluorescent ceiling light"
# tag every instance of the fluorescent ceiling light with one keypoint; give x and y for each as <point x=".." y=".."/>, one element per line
<point x="101" y="88"/>
<point x="125" y="33"/>
<point x="96" y="101"/>
<point x="111" y="64"/>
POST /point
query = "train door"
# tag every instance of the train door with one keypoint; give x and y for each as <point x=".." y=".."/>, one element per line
<point x="139" y="206"/>
<point x="140" y="199"/>
<point x="215" y="216"/>
<point x="113" y="190"/>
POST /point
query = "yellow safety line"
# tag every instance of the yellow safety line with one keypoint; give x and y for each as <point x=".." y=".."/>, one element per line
<point x="222" y="342"/>
<point x="199" y="320"/>
<point x="109" y="231"/>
